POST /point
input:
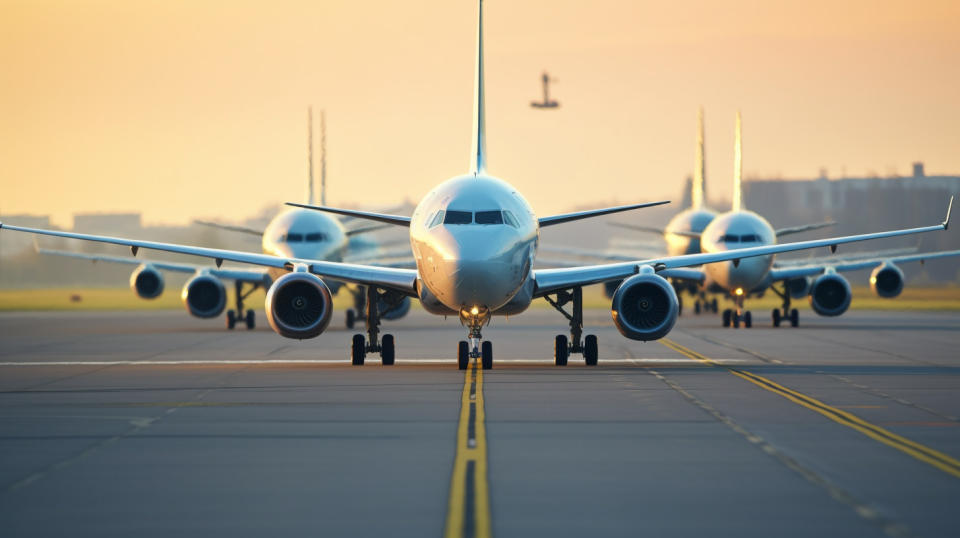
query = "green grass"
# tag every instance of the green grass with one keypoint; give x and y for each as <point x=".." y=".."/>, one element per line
<point x="942" y="298"/>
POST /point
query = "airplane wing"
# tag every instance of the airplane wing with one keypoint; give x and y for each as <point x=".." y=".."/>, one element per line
<point x="596" y="254"/>
<point x="400" y="280"/>
<point x="867" y="264"/>
<point x="551" y="280"/>
<point x="805" y="228"/>
<point x="833" y="260"/>
<point x="567" y="217"/>
<point x="257" y="276"/>
<point x="654" y="229"/>
<point x="364" y="229"/>
<point x="397" y="220"/>
<point x="240" y="229"/>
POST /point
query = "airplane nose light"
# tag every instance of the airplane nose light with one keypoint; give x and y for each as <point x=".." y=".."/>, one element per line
<point x="474" y="311"/>
<point x="739" y="291"/>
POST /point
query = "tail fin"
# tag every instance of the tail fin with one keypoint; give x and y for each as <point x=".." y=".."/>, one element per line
<point x="323" y="157"/>
<point x="737" y="169"/>
<point x="310" y="199"/>
<point x="698" y="187"/>
<point x="478" y="158"/>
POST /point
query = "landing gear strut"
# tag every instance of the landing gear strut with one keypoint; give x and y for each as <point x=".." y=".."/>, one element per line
<point x="576" y="344"/>
<point x="475" y="347"/>
<point x="233" y="316"/>
<point x="788" y="313"/>
<point x="734" y="317"/>
<point x="373" y="343"/>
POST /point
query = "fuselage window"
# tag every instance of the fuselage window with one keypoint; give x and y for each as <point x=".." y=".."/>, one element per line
<point x="510" y="219"/>
<point x="458" y="217"/>
<point x="294" y="238"/>
<point x="316" y="237"/>
<point x="489" y="217"/>
<point x="437" y="219"/>
<point x="749" y="238"/>
<point x="730" y="238"/>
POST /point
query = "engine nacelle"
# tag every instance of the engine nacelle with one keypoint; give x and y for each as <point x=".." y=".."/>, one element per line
<point x="146" y="282"/>
<point x="204" y="296"/>
<point x="798" y="288"/>
<point x="887" y="281"/>
<point x="299" y="305"/>
<point x="610" y="287"/>
<point x="394" y="307"/>
<point x="830" y="295"/>
<point x="645" y="307"/>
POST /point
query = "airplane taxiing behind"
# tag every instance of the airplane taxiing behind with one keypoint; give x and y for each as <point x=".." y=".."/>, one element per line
<point x="474" y="238"/>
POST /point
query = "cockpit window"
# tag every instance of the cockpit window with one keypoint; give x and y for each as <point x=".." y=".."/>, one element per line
<point x="489" y="217"/>
<point x="316" y="237"/>
<point x="294" y="238"/>
<point x="729" y="238"/>
<point x="458" y="217"/>
<point x="510" y="219"/>
<point x="437" y="219"/>
<point x="749" y="238"/>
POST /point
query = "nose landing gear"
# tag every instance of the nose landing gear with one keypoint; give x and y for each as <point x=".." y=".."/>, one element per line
<point x="562" y="349"/>
<point x="373" y="343"/>
<point x="475" y="347"/>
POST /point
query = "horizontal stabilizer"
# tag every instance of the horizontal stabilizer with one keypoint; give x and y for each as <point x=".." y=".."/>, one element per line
<point x="396" y="220"/>
<point x="567" y="217"/>
<point x="805" y="228"/>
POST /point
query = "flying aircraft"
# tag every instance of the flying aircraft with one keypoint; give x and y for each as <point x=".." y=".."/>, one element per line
<point x="474" y="238"/>
<point x="546" y="103"/>
<point x="294" y="232"/>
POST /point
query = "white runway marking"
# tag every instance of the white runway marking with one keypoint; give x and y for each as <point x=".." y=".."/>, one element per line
<point x="343" y="361"/>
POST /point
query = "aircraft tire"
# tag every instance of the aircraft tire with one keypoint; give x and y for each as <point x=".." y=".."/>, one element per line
<point x="250" y="319"/>
<point x="747" y="319"/>
<point x="726" y="318"/>
<point x="387" y="350"/>
<point x="775" y="316"/>
<point x="486" y="355"/>
<point x="231" y="319"/>
<point x="590" y="352"/>
<point x="794" y="318"/>
<point x="463" y="355"/>
<point x="735" y="320"/>
<point x="358" y="350"/>
<point x="560" y="350"/>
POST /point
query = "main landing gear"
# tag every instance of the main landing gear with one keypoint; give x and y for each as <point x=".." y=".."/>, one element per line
<point x="734" y="317"/>
<point x="475" y="347"/>
<point x="373" y="343"/>
<point x="562" y="346"/>
<point x="788" y="314"/>
<point x="234" y="316"/>
<point x="703" y="305"/>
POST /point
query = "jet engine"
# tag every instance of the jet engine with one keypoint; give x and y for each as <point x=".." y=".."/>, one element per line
<point x="146" y="282"/>
<point x="610" y="287"/>
<point x="299" y="305"/>
<point x="645" y="307"/>
<point x="887" y="280"/>
<point x="798" y="288"/>
<point x="830" y="295"/>
<point x="204" y="296"/>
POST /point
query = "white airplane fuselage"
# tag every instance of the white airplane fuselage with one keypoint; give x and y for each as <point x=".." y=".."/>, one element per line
<point x="688" y="220"/>
<point x="304" y="234"/>
<point x="474" y="238"/>
<point x="734" y="230"/>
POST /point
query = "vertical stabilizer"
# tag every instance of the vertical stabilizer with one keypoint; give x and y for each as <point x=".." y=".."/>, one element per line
<point x="323" y="157"/>
<point x="697" y="195"/>
<point x="478" y="157"/>
<point x="737" y="168"/>
<point x="310" y="198"/>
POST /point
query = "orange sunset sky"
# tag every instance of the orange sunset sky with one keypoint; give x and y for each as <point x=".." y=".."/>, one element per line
<point x="198" y="109"/>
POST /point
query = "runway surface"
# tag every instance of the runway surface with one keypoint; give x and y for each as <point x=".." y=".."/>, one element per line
<point x="156" y="424"/>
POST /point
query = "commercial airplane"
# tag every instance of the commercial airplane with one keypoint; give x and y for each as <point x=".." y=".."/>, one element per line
<point x="474" y="238"/>
<point x="295" y="232"/>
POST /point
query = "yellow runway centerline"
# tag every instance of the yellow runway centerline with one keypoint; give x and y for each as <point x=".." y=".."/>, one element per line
<point x="468" y="511"/>
<point x="916" y="450"/>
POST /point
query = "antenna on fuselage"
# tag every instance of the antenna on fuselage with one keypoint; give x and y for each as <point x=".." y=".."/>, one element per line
<point x="737" y="168"/>
<point x="698" y="192"/>
<point x="478" y="157"/>
<point x="323" y="157"/>
<point x="310" y="199"/>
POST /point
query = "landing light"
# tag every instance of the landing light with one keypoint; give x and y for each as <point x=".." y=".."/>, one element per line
<point x="739" y="291"/>
<point x="873" y="280"/>
<point x="474" y="311"/>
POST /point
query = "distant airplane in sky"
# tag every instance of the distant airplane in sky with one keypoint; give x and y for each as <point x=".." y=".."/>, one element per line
<point x="546" y="103"/>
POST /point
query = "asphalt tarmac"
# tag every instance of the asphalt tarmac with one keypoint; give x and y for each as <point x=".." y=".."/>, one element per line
<point x="156" y="424"/>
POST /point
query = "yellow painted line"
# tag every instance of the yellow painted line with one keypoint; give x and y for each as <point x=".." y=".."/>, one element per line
<point x="914" y="449"/>
<point x="468" y="510"/>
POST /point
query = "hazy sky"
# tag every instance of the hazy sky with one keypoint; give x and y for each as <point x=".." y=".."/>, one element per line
<point x="183" y="109"/>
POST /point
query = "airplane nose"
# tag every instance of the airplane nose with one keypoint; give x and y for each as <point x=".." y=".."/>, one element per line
<point x="482" y="272"/>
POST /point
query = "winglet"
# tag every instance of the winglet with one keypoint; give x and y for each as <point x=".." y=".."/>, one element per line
<point x="946" y="221"/>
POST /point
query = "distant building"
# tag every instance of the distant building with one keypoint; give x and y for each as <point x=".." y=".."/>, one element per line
<point x="12" y="243"/>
